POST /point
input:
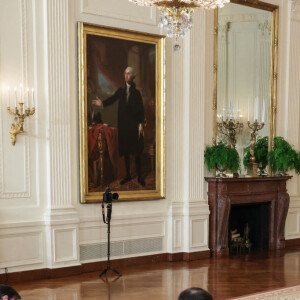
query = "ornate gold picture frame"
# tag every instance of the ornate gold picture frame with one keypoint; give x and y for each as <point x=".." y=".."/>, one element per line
<point x="121" y="113"/>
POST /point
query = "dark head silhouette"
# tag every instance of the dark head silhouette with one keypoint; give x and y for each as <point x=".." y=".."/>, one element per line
<point x="195" y="294"/>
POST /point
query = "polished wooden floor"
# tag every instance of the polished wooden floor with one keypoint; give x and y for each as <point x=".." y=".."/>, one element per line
<point x="223" y="278"/>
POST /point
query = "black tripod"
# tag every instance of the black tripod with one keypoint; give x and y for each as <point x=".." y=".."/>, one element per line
<point x="108" y="197"/>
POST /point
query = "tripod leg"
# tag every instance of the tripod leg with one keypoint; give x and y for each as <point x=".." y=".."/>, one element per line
<point x="103" y="272"/>
<point x="114" y="270"/>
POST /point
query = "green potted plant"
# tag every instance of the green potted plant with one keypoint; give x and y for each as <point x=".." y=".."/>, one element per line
<point x="222" y="158"/>
<point x="283" y="157"/>
<point x="260" y="153"/>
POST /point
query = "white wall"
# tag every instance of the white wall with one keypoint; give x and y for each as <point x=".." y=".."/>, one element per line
<point x="42" y="223"/>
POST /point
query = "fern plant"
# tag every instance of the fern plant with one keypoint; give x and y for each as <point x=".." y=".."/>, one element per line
<point x="220" y="156"/>
<point x="260" y="152"/>
<point x="283" y="157"/>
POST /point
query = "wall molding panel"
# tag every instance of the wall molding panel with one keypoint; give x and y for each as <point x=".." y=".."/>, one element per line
<point x="293" y="223"/>
<point x="119" y="10"/>
<point x="199" y="233"/>
<point x="28" y="256"/>
<point x="25" y="158"/>
<point x="65" y="245"/>
<point x="177" y="234"/>
<point x="62" y="236"/>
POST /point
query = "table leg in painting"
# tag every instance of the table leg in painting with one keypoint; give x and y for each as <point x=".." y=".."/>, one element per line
<point x="101" y="146"/>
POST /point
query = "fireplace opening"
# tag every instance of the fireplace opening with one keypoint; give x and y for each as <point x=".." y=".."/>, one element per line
<point x="248" y="227"/>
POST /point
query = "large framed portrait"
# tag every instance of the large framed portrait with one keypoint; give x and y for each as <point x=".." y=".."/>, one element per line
<point x="121" y="113"/>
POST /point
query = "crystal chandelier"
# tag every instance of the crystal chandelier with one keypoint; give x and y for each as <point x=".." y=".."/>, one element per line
<point x="176" y="15"/>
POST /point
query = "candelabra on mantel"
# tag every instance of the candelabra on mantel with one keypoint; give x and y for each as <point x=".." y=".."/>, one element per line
<point x="228" y="127"/>
<point x="19" y="113"/>
<point x="252" y="165"/>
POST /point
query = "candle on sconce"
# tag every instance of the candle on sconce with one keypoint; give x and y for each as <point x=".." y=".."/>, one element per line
<point x="32" y="97"/>
<point x="21" y="93"/>
<point x="238" y="110"/>
<point x="15" y="97"/>
<point x="256" y="109"/>
<point x="248" y="110"/>
<point x="8" y="97"/>
<point x="263" y="113"/>
<point x="27" y="100"/>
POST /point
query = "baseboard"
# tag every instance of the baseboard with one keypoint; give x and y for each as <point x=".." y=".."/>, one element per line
<point x="185" y="256"/>
<point x="172" y="257"/>
<point x="292" y="243"/>
<point x="23" y="276"/>
<point x="196" y="255"/>
<point x="118" y="264"/>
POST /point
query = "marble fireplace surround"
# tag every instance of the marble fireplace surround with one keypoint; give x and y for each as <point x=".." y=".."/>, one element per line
<point x="224" y="192"/>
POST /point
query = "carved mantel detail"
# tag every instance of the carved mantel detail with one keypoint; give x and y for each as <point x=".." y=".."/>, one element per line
<point x="224" y="192"/>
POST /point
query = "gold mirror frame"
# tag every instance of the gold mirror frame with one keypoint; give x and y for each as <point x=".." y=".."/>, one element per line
<point x="274" y="9"/>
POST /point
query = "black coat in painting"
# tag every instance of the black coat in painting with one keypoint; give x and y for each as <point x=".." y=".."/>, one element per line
<point x="130" y="115"/>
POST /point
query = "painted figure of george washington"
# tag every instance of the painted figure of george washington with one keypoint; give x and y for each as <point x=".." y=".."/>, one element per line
<point x="130" y="123"/>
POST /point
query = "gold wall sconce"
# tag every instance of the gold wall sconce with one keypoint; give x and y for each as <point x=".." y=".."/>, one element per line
<point x="20" y="112"/>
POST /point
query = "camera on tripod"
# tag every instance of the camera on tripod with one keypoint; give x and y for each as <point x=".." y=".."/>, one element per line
<point x="108" y="197"/>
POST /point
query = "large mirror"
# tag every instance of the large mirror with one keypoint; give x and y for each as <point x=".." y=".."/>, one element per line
<point x="245" y="70"/>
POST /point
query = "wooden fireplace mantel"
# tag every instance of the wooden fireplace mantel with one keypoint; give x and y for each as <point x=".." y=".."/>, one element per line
<point x="223" y="192"/>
